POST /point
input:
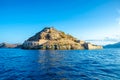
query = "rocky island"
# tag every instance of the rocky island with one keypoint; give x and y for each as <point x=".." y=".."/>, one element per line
<point x="52" y="39"/>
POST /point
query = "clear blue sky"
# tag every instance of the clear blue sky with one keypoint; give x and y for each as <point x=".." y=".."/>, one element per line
<point x="84" y="19"/>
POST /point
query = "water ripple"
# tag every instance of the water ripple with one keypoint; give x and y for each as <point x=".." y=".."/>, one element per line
<point x="17" y="64"/>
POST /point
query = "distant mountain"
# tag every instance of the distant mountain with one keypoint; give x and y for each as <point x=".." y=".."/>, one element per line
<point x="116" y="45"/>
<point x="7" y="45"/>
<point x="51" y="38"/>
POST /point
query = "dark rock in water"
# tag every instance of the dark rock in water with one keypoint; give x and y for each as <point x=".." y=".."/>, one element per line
<point x="50" y="38"/>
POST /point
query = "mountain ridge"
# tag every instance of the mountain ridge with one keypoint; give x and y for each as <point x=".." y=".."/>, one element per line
<point x="115" y="45"/>
<point x="8" y="45"/>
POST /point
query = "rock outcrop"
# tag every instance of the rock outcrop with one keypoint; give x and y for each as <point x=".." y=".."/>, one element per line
<point x="51" y="39"/>
<point x="90" y="46"/>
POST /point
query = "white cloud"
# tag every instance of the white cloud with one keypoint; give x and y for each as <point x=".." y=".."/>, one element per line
<point x="106" y="40"/>
<point x="113" y="39"/>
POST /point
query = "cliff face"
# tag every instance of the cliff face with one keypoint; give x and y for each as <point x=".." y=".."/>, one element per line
<point x="50" y="38"/>
<point x="90" y="46"/>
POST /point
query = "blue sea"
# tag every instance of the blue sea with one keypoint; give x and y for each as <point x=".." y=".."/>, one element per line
<point x="18" y="64"/>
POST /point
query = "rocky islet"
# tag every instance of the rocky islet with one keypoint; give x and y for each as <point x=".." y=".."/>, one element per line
<point x="52" y="39"/>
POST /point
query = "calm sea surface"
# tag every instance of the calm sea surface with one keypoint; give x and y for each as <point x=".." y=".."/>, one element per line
<point x="17" y="64"/>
